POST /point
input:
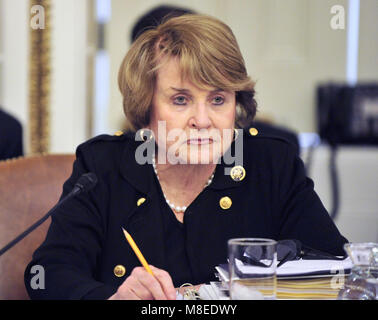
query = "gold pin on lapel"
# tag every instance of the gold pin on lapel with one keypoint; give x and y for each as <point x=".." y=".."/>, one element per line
<point x="237" y="173"/>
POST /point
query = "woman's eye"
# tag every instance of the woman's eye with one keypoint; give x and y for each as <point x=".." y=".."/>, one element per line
<point x="181" y="100"/>
<point x="218" y="100"/>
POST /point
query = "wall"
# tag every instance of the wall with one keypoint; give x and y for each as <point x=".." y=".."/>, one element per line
<point x="14" y="29"/>
<point x="69" y="71"/>
<point x="368" y="41"/>
<point x="357" y="171"/>
<point x="68" y="110"/>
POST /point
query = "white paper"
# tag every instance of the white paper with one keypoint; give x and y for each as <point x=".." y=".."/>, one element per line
<point x="303" y="267"/>
<point x="295" y="268"/>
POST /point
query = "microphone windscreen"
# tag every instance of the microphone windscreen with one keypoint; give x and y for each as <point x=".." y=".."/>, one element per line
<point x="87" y="181"/>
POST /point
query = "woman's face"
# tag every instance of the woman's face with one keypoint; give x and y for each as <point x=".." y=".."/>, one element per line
<point x="198" y="123"/>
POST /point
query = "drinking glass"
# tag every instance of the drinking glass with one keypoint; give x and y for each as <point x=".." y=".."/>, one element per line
<point x="252" y="268"/>
<point x="362" y="283"/>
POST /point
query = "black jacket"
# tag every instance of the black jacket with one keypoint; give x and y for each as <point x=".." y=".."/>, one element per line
<point x="85" y="240"/>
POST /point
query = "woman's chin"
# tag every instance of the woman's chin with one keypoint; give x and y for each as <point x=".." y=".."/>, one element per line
<point x="195" y="155"/>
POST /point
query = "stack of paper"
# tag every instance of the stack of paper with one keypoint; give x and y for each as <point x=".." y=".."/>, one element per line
<point x="304" y="279"/>
<point x="310" y="288"/>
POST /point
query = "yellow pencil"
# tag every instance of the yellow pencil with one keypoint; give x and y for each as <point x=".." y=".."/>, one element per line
<point x="137" y="252"/>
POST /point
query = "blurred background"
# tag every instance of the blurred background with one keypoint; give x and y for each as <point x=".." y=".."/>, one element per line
<point x="315" y="64"/>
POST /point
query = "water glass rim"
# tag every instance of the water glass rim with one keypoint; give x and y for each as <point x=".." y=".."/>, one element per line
<point x="360" y="245"/>
<point x="252" y="241"/>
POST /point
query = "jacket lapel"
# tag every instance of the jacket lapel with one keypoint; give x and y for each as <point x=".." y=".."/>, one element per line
<point x="146" y="228"/>
<point x="144" y="222"/>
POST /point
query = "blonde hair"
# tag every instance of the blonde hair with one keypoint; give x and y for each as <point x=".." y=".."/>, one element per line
<point x="208" y="55"/>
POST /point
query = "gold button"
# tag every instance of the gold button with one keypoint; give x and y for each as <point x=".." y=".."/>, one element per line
<point x="119" y="270"/>
<point x="237" y="173"/>
<point x="225" y="203"/>
<point x="253" y="131"/>
<point x="118" y="133"/>
<point x="140" y="201"/>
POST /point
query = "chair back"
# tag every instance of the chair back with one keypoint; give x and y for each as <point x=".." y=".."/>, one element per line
<point x="29" y="188"/>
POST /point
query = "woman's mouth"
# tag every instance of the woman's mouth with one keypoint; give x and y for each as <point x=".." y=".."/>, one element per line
<point x="199" y="141"/>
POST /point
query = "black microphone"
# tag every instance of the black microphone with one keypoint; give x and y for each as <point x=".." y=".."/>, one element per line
<point x="86" y="182"/>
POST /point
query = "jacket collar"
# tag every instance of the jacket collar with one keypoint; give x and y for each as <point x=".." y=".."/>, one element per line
<point x="138" y="175"/>
<point x="141" y="175"/>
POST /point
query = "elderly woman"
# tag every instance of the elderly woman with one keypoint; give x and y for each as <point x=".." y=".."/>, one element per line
<point x="186" y="92"/>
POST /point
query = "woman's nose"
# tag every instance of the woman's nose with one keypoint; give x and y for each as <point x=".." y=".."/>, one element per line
<point x="200" y="118"/>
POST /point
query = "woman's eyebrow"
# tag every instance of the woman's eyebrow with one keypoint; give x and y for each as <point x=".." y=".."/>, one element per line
<point x="180" y="89"/>
<point x="188" y="91"/>
<point x="218" y="90"/>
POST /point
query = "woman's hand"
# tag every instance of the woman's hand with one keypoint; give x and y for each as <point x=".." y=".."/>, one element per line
<point x="140" y="285"/>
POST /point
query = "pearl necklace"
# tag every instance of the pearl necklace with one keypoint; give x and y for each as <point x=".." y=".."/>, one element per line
<point x="175" y="208"/>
